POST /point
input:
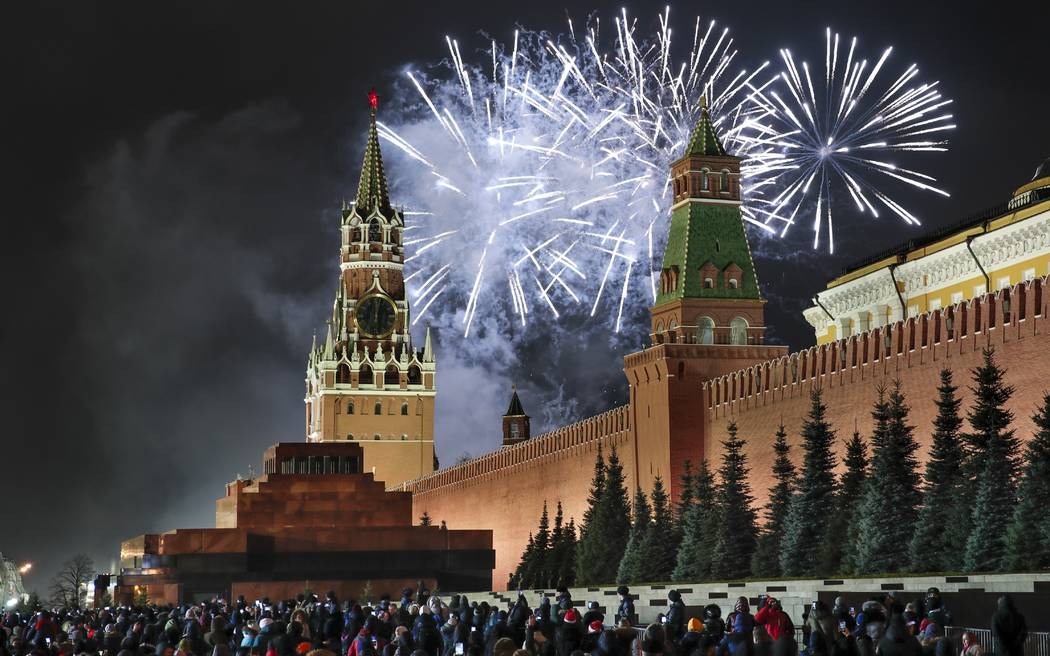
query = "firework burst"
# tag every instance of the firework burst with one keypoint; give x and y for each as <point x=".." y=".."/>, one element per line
<point x="546" y="185"/>
<point x="840" y="133"/>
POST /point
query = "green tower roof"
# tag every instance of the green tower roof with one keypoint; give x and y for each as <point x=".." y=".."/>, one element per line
<point x="372" y="190"/>
<point x="704" y="140"/>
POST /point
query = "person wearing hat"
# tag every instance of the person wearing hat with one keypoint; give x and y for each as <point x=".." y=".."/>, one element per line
<point x="773" y="618"/>
<point x="675" y="625"/>
<point x="625" y="611"/>
<point x="518" y="618"/>
<point x="568" y="635"/>
<point x="694" y="633"/>
<point x="589" y="641"/>
<point x="741" y="631"/>
<point x="654" y="640"/>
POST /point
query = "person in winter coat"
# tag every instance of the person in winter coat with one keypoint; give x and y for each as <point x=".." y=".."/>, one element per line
<point x="589" y="641"/>
<point x="935" y="643"/>
<point x="625" y="611"/>
<point x="1009" y="630"/>
<point x="897" y="641"/>
<point x="763" y="643"/>
<point x="714" y="625"/>
<point x="936" y="611"/>
<point x="518" y="619"/>
<point x="675" y="625"/>
<point x="367" y="642"/>
<point x="771" y="616"/>
<point x="544" y="621"/>
<point x="537" y="642"/>
<point x="689" y="645"/>
<point x="217" y="635"/>
<point x="568" y="634"/>
<point x="564" y="599"/>
<point x="823" y="630"/>
<point x="739" y="639"/>
<point x="593" y="613"/>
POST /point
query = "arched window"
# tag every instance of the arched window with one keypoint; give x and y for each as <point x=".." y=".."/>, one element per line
<point x="738" y="331"/>
<point x="393" y="376"/>
<point x="705" y="330"/>
<point x="732" y="283"/>
<point x="709" y="283"/>
<point x="375" y="231"/>
<point x="725" y="181"/>
<point x="355" y="234"/>
<point x="704" y="184"/>
<point x="404" y="409"/>
<point x="660" y="326"/>
<point x="378" y="409"/>
<point x="404" y="436"/>
<point x="415" y="376"/>
<point x="376" y="438"/>
<point x="365" y="377"/>
<point x="395" y="236"/>
<point x="342" y="374"/>
<point x="349" y="407"/>
<point x="349" y="436"/>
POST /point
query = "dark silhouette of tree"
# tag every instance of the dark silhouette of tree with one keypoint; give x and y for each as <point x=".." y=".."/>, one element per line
<point x="658" y="549"/>
<point x="693" y="562"/>
<point x="737" y="533"/>
<point x="1028" y="538"/>
<point x="68" y="585"/>
<point x="848" y="499"/>
<point x="935" y="545"/>
<point x="765" y="562"/>
<point x="629" y="570"/>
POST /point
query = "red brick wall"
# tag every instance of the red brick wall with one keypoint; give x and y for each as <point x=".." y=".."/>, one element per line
<point x="1021" y="347"/>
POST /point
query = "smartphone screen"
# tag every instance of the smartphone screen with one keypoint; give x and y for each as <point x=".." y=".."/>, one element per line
<point x="842" y="625"/>
<point x="459" y="649"/>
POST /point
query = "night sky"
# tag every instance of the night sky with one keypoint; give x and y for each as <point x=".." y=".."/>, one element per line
<point x="170" y="231"/>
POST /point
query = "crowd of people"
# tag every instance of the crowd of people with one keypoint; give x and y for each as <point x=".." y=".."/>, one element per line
<point x="421" y="624"/>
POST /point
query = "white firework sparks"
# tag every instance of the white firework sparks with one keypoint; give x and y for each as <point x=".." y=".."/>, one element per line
<point x="546" y="185"/>
<point x="841" y="134"/>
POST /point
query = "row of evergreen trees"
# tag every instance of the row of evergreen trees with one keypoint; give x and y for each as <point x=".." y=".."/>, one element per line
<point x="979" y="505"/>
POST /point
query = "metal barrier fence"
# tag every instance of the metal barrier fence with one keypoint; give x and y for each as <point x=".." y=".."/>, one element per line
<point x="1038" y="643"/>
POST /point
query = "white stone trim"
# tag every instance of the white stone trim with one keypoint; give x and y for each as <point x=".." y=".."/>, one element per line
<point x="704" y="201"/>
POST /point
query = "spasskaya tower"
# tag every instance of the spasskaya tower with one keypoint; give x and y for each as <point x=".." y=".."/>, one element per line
<point x="366" y="383"/>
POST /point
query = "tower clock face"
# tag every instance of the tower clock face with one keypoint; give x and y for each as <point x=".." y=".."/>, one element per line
<point x="375" y="316"/>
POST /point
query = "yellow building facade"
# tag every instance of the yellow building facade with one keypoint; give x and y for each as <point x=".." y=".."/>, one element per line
<point x="1001" y="247"/>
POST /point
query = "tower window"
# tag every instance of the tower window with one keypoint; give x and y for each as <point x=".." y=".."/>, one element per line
<point x="378" y="411"/>
<point x="365" y="376"/>
<point x="725" y="181"/>
<point x="718" y="246"/>
<point x="705" y="330"/>
<point x="704" y="184"/>
<point x="738" y="331"/>
<point x="393" y="376"/>
<point x="349" y="407"/>
<point x="709" y="283"/>
<point x="376" y="438"/>
<point x="349" y="436"/>
<point x="342" y="374"/>
<point x="415" y="376"/>
<point x="355" y="235"/>
<point x="514" y="431"/>
<point x="404" y="409"/>
<point x="404" y="437"/>
<point x="732" y="283"/>
<point x="375" y="231"/>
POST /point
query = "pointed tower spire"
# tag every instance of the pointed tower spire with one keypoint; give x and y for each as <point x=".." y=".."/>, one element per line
<point x="329" y="346"/>
<point x="428" y="351"/>
<point x="704" y="140"/>
<point x="515" y="422"/>
<point x="372" y="190"/>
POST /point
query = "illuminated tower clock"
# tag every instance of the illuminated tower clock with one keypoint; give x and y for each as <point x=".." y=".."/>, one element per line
<point x="366" y="383"/>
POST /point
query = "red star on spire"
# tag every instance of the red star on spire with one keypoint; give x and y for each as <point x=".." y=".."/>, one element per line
<point x="373" y="99"/>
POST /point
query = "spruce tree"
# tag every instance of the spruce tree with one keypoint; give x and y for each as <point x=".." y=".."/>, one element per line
<point x="992" y="466"/>
<point x="693" y="562"/>
<point x="586" y="555"/>
<point x="766" y="560"/>
<point x="551" y="567"/>
<point x="685" y="500"/>
<point x="935" y="545"/>
<point x="534" y="572"/>
<point x="994" y="441"/>
<point x="424" y="519"/>
<point x="736" y="533"/>
<point x="887" y="513"/>
<point x="1028" y="538"/>
<point x="567" y="556"/>
<point x="605" y="535"/>
<point x="519" y="578"/>
<point x="658" y="550"/>
<point x="629" y="570"/>
<point x="850" y="497"/>
<point x="806" y="525"/>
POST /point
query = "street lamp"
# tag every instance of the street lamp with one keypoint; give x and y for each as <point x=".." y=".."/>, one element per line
<point x="25" y="568"/>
